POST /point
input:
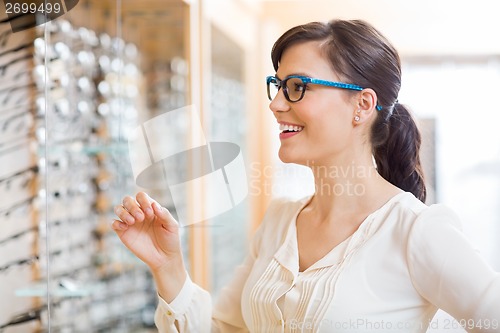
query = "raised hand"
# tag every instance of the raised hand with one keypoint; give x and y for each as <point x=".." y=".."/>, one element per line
<point x="149" y="231"/>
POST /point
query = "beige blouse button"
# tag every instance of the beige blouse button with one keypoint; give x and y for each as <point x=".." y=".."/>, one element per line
<point x="281" y="322"/>
<point x="169" y="313"/>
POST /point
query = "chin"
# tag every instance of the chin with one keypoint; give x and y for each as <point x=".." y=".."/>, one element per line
<point x="286" y="157"/>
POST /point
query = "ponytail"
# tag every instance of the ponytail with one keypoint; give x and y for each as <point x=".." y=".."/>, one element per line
<point x="396" y="142"/>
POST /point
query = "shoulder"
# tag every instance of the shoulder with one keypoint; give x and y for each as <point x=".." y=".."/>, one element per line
<point x="279" y="214"/>
<point x="414" y="223"/>
<point x="416" y="214"/>
<point x="285" y="206"/>
<point x="281" y="211"/>
<point x="425" y="226"/>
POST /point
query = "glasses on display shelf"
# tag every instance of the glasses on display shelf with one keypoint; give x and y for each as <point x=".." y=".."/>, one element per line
<point x="32" y="314"/>
<point x="19" y="178"/>
<point x="22" y="77"/>
<point x="16" y="156"/>
<point x="9" y="43"/>
<point x="51" y="76"/>
<point x="25" y="317"/>
<point x="22" y="262"/>
<point x="20" y="48"/>
<point x="69" y="160"/>
<point x="18" y="187"/>
<point x="56" y="75"/>
<point x="69" y="257"/>
<point x="17" y="212"/>
<point x="14" y="68"/>
<point x="13" y="96"/>
<point x="17" y="124"/>
<point x="18" y="235"/>
<point x="72" y="132"/>
<point x="64" y="189"/>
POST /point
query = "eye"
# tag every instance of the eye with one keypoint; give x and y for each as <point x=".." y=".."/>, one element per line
<point x="298" y="86"/>
<point x="295" y="85"/>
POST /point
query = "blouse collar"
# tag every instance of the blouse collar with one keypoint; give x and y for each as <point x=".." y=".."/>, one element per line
<point x="288" y="255"/>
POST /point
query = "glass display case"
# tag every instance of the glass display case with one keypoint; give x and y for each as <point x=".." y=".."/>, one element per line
<point x="75" y="92"/>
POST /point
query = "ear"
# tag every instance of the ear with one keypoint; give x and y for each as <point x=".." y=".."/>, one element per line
<point x="366" y="106"/>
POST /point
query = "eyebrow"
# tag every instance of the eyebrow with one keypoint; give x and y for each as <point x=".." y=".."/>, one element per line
<point x="292" y="74"/>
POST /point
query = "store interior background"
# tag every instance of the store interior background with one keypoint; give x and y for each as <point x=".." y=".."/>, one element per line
<point x="212" y="54"/>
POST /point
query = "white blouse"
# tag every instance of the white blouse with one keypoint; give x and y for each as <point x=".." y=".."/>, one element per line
<point x="404" y="262"/>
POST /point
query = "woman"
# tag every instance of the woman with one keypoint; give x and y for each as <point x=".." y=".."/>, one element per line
<point x="364" y="253"/>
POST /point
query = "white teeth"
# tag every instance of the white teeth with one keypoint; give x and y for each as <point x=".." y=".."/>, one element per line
<point x="290" y="128"/>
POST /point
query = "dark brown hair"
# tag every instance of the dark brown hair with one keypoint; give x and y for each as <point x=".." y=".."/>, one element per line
<point x="359" y="54"/>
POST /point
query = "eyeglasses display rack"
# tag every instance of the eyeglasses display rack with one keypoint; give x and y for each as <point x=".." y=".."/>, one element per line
<point x="71" y="94"/>
<point x="19" y="182"/>
<point x="73" y="91"/>
<point x="69" y="162"/>
<point x="70" y="97"/>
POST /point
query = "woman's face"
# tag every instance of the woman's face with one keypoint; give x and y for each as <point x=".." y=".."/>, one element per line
<point x="325" y="113"/>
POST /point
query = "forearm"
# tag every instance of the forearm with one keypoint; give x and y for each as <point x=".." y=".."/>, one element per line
<point x="169" y="279"/>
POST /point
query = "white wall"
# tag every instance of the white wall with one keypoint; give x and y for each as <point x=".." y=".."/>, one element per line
<point x="415" y="27"/>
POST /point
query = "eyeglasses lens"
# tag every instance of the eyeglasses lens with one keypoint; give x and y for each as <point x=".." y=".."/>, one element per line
<point x="272" y="88"/>
<point x="294" y="90"/>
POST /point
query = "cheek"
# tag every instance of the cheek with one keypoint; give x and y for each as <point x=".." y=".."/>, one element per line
<point x="334" y="125"/>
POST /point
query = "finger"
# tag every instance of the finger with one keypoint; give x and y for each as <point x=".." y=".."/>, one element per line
<point x="124" y="215"/>
<point x="133" y="208"/>
<point x="145" y="202"/>
<point x="164" y="215"/>
<point x="119" y="225"/>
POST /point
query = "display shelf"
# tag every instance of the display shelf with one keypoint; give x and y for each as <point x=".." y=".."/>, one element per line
<point x="40" y="290"/>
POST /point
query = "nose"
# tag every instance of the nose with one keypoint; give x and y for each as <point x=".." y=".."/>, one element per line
<point x="279" y="103"/>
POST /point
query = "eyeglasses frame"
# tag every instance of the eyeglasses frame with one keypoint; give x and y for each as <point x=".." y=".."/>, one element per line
<point x="309" y="80"/>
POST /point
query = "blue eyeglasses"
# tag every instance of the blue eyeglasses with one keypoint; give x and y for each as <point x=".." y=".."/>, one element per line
<point x="294" y="87"/>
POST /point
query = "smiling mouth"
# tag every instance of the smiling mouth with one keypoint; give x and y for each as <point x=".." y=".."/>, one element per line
<point x="290" y="128"/>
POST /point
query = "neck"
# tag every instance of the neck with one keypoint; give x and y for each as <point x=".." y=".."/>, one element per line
<point x="348" y="188"/>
